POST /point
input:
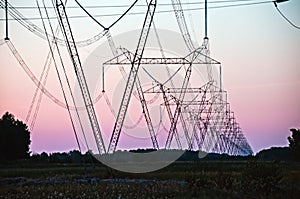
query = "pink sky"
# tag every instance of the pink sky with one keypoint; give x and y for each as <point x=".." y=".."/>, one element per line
<point x="259" y="52"/>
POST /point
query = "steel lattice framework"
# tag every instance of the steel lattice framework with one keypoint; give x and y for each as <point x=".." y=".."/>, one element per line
<point x="199" y="115"/>
<point x="135" y="64"/>
<point x="70" y="42"/>
<point x="207" y="122"/>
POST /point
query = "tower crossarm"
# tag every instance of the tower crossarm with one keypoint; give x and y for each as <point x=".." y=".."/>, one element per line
<point x="122" y="59"/>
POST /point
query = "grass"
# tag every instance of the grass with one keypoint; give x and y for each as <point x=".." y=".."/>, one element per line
<point x="179" y="180"/>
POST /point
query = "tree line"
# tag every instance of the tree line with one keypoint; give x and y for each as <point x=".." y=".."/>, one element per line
<point x="15" y="142"/>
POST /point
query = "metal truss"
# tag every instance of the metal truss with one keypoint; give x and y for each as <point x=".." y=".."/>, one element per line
<point x="72" y="49"/>
<point x="206" y="121"/>
<point x="126" y="58"/>
<point x="131" y="81"/>
<point x="198" y="123"/>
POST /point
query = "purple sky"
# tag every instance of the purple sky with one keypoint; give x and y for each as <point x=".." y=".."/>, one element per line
<point x="258" y="49"/>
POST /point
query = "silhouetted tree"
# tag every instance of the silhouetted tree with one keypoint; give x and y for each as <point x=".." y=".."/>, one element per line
<point x="41" y="158"/>
<point x="58" y="157"/>
<point x="14" y="138"/>
<point x="294" y="145"/>
<point x="275" y="154"/>
<point x="75" y="156"/>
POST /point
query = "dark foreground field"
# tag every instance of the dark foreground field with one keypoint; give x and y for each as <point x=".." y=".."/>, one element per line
<point x="212" y="179"/>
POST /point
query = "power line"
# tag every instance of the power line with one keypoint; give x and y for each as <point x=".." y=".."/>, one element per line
<point x="107" y="28"/>
<point x="59" y="77"/>
<point x="91" y="16"/>
<point x="158" y="12"/>
<point x="289" y="21"/>
<point x="138" y="5"/>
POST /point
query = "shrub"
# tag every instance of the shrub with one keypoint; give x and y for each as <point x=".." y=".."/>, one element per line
<point x="261" y="178"/>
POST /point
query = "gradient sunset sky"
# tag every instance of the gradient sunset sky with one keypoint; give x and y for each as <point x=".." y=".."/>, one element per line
<point x="258" y="49"/>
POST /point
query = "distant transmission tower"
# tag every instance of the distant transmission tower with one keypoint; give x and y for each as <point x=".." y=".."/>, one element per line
<point x="206" y="121"/>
